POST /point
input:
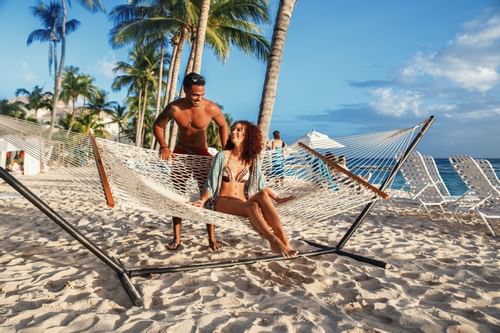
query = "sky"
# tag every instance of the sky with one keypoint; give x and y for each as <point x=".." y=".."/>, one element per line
<point x="349" y="67"/>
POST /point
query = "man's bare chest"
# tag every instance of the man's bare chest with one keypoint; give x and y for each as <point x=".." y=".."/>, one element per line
<point x="192" y="120"/>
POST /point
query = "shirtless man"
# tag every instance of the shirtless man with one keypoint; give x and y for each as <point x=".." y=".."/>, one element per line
<point x="192" y="114"/>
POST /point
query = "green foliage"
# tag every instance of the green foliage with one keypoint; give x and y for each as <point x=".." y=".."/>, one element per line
<point x="75" y="85"/>
<point x="213" y="138"/>
<point x="86" y="123"/>
<point x="231" y="22"/>
<point x="11" y="109"/>
<point x="139" y="71"/>
<point x="36" y="99"/>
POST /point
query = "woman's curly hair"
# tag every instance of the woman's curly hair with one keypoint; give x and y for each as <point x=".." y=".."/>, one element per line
<point x="252" y="145"/>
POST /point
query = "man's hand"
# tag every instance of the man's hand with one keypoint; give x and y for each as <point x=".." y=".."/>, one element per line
<point x="198" y="203"/>
<point x="165" y="153"/>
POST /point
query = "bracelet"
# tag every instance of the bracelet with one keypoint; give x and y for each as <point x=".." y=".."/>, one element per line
<point x="161" y="147"/>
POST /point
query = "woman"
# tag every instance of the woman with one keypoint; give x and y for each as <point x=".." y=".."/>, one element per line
<point x="278" y="154"/>
<point x="236" y="186"/>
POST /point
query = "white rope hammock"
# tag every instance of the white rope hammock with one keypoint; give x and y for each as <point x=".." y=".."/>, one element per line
<point x="138" y="179"/>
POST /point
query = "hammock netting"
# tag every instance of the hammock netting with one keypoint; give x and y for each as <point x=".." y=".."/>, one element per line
<point x="138" y="179"/>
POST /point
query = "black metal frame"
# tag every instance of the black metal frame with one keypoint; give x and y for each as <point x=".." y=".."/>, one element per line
<point x="126" y="274"/>
<point x="88" y="244"/>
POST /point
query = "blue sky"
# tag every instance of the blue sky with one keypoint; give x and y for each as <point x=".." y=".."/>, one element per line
<point x="349" y="67"/>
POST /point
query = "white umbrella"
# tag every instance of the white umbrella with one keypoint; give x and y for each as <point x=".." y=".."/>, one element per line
<point x="316" y="139"/>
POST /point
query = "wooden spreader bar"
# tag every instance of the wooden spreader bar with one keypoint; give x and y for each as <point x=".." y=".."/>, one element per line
<point x="339" y="168"/>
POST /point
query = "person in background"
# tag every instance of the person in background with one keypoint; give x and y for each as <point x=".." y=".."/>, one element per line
<point x="279" y="152"/>
<point x="14" y="167"/>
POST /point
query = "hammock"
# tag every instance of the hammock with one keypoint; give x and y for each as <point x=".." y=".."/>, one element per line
<point x="138" y="178"/>
<point x="129" y="176"/>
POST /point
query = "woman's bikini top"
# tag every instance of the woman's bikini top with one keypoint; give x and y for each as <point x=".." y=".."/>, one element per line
<point x="241" y="177"/>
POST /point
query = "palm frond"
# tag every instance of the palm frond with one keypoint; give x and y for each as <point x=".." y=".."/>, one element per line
<point x="93" y="5"/>
<point x="250" y="43"/>
<point x="246" y="10"/>
<point x="72" y="25"/>
<point x="39" y="35"/>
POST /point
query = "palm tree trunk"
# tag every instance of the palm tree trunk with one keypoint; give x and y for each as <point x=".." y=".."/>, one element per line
<point x="54" y="103"/>
<point x="281" y="24"/>
<point x="175" y="49"/>
<point x="190" y="63"/>
<point x="173" y="87"/>
<point x="173" y="136"/>
<point x="143" y="114"/>
<point x="158" y="93"/>
<point x="72" y="117"/>
<point x="58" y="74"/>
<point x="189" y="69"/>
<point x="138" y="115"/>
<point x="173" y="58"/>
<point x="54" y="56"/>
<point x="177" y="64"/>
<point x="201" y="32"/>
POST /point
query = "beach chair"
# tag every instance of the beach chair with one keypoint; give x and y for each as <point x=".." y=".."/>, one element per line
<point x="478" y="184"/>
<point x="435" y="175"/>
<point x="428" y="190"/>
<point x="489" y="171"/>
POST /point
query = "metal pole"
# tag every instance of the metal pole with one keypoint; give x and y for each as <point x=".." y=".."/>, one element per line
<point x="386" y="183"/>
<point x="357" y="257"/>
<point x="89" y="245"/>
<point x="228" y="263"/>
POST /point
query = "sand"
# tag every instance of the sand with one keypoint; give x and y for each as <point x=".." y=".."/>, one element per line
<point x="444" y="274"/>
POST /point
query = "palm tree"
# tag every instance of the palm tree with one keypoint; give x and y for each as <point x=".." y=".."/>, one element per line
<point x="99" y="103"/>
<point x="11" y="109"/>
<point x="120" y="35"/>
<point x="37" y="99"/>
<point x="229" y="23"/>
<point x="213" y="138"/>
<point x="281" y="24"/>
<point x="50" y="16"/>
<point x="120" y="116"/>
<point x="55" y="24"/>
<point x="138" y="74"/>
<point x="200" y="35"/>
<point x="93" y="6"/>
<point x="89" y="123"/>
<point x="73" y="86"/>
<point x="161" y="20"/>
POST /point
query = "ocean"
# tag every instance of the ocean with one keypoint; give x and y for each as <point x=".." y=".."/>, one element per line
<point x="450" y="177"/>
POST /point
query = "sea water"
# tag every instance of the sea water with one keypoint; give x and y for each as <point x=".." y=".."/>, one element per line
<point x="449" y="175"/>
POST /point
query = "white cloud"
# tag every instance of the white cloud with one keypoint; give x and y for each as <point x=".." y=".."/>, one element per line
<point x="477" y="114"/>
<point x="481" y="34"/>
<point x="106" y="65"/>
<point x="397" y="104"/>
<point x="27" y="74"/>
<point x="471" y="60"/>
<point x="394" y="103"/>
<point x="469" y="75"/>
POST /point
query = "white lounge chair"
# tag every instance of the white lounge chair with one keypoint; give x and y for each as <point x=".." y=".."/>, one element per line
<point x="435" y="175"/>
<point x="469" y="170"/>
<point x="489" y="171"/>
<point x="426" y="189"/>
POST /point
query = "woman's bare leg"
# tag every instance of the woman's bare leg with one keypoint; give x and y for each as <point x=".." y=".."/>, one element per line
<point x="270" y="214"/>
<point x="252" y="211"/>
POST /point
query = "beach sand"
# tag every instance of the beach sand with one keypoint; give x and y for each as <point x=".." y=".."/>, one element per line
<point x="444" y="275"/>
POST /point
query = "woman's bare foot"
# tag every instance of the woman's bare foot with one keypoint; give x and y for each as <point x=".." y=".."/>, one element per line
<point x="277" y="246"/>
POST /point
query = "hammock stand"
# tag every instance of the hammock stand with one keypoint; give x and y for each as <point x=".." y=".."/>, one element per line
<point x="125" y="274"/>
